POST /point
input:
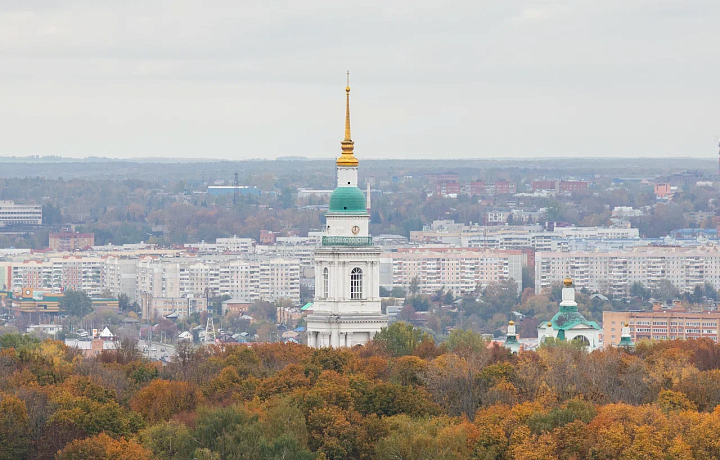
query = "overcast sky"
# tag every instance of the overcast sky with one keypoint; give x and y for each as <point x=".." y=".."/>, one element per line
<point x="239" y="79"/>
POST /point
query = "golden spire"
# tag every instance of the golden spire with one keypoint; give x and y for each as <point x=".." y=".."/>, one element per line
<point x="347" y="158"/>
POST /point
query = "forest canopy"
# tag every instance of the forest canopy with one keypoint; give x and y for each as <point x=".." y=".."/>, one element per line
<point x="400" y="397"/>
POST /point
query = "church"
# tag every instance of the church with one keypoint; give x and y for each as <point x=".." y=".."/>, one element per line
<point x="346" y="309"/>
<point x="569" y="324"/>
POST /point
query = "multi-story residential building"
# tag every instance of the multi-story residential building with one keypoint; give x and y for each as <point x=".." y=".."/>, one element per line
<point x="661" y="324"/>
<point x="573" y="186"/>
<point x="235" y="244"/>
<point x="615" y="272"/>
<point x="69" y="241"/>
<point x="248" y="278"/>
<point x="19" y="214"/>
<point x="163" y="306"/>
<point x="443" y="177"/>
<point x="76" y="273"/>
<point x="447" y="189"/>
<point x="458" y="270"/>
<point x="121" y="276"/>
<point x="477" y="188"/>
<point x="501" y="187"/>
<point x="304" y="253"/>
<point x="560" y="185"/>
<point x="306" y="193"/>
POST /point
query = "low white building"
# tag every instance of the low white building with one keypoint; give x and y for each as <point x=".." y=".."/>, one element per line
<point x="19" y="214"/>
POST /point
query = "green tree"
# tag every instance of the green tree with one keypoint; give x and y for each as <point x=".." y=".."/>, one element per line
<point x="124" y="302"/>
<point x="169" y="441"/>
<point x="638" y="290"/>
<point x="502" y="295"/>
<point x="528" y="277"/>
<point x="76" y="303"/>
<point x="400" y="339"/>
<point x="414" y="286"/>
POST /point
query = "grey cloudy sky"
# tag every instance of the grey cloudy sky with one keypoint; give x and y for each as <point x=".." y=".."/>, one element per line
<point x="241" y="79"/>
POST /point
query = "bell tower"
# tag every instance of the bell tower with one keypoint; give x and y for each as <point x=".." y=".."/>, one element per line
<point x="346" y="309"/>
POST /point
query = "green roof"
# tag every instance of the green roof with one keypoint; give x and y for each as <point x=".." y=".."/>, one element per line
<point x="349" y="200"/>
<point x="569" y="317"/>
<point x="307" y="306"/>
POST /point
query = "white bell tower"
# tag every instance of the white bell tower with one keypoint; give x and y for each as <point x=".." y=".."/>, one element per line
<point x="346" y="309"/>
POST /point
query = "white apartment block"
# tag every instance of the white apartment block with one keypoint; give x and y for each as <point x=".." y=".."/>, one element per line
<point x="19" y="214"/>
<point x="459" y="270"/>
<point x="251" y="279"/>
<point x="597" y="232"/>
<point x="235" y="244"/>
<point x="56" y="274"/>
<point x="615" y="272"/>
<point x="121" y="276"/>
<point x="304" y="253"/>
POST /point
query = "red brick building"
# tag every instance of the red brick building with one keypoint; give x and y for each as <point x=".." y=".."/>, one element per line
<point x="573" y="186"/>
<point x="504" y="187"/>
<point x="445" y="188"/>
<point x="477" y="188"/>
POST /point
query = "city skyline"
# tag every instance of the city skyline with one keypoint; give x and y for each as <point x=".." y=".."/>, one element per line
<point x="533" y="79"/>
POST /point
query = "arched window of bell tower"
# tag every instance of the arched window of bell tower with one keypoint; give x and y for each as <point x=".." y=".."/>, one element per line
<point x="326" y="282"/>
<point x="356" y="283"/>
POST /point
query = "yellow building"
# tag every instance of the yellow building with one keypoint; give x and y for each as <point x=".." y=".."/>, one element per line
<point x="31" y="301"/>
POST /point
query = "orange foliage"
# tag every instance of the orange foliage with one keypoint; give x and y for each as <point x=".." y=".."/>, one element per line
<point x="162" y="399"/>
<point x="103" y="447"/>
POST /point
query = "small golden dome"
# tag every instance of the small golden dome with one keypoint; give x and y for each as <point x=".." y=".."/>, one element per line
<point x="567" y="282"/>
<point x="512" y="323"/>
<point x="549" y="324"/>
<point x="627" y="324"/>
<point x="347" y="89"/>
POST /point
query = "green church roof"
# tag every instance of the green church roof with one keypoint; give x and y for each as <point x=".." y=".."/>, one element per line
<point x="350" y="200"/>
<point x="567" y="318"/>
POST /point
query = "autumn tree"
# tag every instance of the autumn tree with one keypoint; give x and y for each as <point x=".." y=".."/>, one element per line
<point x="162" y="399"/>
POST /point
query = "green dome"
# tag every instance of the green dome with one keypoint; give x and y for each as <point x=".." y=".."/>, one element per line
<point x="348" y="199"/>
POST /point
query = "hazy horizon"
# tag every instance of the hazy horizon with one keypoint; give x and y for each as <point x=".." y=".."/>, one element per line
<point x="260" y="80"/>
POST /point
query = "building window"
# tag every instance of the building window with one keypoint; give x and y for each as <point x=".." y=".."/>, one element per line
<point x="326" y="283"/>
<point x="356" y="283"/>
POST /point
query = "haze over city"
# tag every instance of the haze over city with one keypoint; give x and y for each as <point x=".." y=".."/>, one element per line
<point x="238" y="80"/>
<point x="496" y="237"/>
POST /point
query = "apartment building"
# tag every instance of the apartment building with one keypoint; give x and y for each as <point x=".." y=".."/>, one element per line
<point x="163" y="306"/>
<point x="19" y="214"/>
<point x="69" y="241"/>
<point x="121" y="276"/>
<point x="247" y="278"/>
<point x="58" y="274"/>
<point x="457" y="270"/>
<point x="235" y="244"/>
<point x="661" y="324"/>
<point x="615" y="272"/>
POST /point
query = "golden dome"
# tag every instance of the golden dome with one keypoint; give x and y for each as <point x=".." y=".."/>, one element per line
<point x="567" y="282"/>
<point x="627" y="324"/>
<point x="549" y="324"/>
<point x="347" y="89"/>
<point x="512" y="323"/>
